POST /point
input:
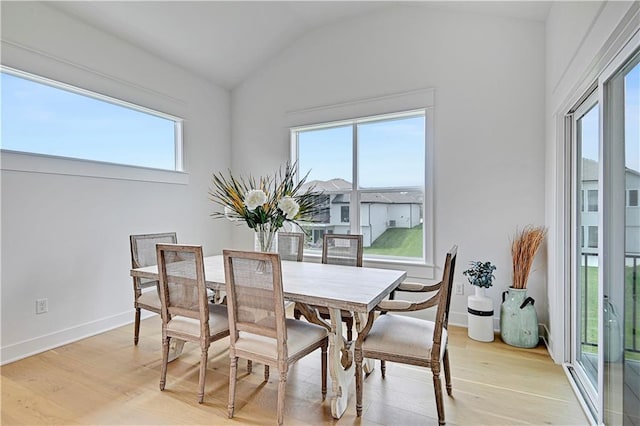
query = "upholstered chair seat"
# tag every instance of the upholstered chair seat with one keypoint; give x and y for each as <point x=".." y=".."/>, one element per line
<point x="403" y="336"/>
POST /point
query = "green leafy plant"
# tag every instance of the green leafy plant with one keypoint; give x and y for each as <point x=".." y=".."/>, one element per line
<point x="480" y="274"/>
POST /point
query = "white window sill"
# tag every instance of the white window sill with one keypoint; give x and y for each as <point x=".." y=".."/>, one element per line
<point x="15" y="161"/>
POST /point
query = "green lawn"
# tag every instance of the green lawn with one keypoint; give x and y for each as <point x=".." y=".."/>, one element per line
<point x="404" y="242"/>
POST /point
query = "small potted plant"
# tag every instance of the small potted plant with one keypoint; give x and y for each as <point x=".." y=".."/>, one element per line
<point x="479" y="306"/>
<point x="480" y="275"/>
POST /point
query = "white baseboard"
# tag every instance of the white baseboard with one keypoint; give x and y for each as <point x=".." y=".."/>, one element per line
<point x="26" y="348"/>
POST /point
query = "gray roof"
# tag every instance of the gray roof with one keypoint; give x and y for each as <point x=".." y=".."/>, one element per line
<point x="382" y="197"/>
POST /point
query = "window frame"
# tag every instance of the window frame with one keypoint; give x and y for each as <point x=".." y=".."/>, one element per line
<point x="34" y="162"/>
<point x="427" y="206"/>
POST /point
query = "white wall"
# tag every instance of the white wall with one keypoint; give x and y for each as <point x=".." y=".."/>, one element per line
<point x="488" y="76"/>
<point x="578" y="35"/>
<point x="65" y="238"/>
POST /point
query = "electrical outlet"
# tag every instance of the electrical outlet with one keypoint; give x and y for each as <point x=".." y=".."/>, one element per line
<point x="42" y="306"/>
<point x="459" y="288"/>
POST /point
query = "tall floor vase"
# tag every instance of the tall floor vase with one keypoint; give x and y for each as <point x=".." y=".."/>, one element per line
<point x="518" y="319"/>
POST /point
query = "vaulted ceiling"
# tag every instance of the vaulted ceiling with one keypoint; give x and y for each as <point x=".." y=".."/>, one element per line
<point x="225" y="41"/>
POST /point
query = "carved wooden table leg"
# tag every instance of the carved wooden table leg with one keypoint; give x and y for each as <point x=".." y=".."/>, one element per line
<point x="367" y="364"/>
<point x="341" y="365"/>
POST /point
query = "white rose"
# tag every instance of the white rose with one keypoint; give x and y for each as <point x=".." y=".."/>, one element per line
<point x="289" y="206"/>
<point x="255" y="198"/>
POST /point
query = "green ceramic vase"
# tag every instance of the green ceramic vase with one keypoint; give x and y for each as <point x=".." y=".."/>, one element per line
<point x="518" y="319"/>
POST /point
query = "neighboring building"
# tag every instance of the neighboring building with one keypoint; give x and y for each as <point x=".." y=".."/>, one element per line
<point x="589" y="209"/>
<point x="379" y="212"/>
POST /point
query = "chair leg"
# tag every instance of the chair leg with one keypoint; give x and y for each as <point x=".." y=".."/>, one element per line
<point x="437" y="387"/>
<point x="383" y="368"/>
<point x="281" y="394"/>
<point x="324" y="369"/>
<point x="349" y="322"/>
<point x="249" y="366"/>
<point x="266" y="373"/>
<point x="203" y="373"/>
<point x="447" y="372"/>
<point x="136" y="327"/>
<point x="165" y="360"/>
<point x="359" y="379"/>
<point x="233" y="372"/>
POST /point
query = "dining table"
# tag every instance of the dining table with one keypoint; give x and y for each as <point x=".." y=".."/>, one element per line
<point x="336" y="287"/>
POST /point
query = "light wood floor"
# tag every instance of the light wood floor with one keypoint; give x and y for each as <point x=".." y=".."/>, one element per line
<point x="107" y="380"/>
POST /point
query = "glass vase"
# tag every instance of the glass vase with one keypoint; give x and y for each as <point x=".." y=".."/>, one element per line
<point x="265" y="239"/>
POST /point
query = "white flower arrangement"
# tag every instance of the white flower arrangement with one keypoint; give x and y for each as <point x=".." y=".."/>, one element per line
<point x="265" y="204"/>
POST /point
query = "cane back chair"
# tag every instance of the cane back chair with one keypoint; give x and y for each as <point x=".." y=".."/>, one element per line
<point x="259" y="329"/>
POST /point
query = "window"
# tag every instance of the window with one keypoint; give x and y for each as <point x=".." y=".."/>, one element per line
<point x="373" y="170"/>
<point x="41" y="116"/>
<point x="592" y="200"/>
<point x="344" y="214"/>
<point x="593" y="236"/>
<point x="632" y="198"/>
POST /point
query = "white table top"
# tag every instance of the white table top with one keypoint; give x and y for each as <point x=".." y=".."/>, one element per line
<point x="344" y="287"/>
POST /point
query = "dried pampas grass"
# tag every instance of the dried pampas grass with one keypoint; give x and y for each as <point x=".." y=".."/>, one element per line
<point x="523" y="250"/>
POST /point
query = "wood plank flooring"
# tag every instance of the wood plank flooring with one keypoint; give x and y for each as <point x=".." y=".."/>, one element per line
<point x="106" y="380"/>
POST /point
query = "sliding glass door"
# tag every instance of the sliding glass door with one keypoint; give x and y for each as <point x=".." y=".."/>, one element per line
<point x="621" y="228"/>
<point x="605" y="242"/>
<point x="585" y="255"/>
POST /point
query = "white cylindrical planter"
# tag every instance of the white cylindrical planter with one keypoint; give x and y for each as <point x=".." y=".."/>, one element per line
<point x="480" y="316"/>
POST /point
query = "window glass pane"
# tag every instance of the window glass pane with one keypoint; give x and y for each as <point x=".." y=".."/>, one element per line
<point x="392" y="155"/>
<point x="344" y="214"/>
<point x="588" y="260"/>
<point x="593" y="200"/>
<point x="391" y="152"/>
<point x="43" y="119"/>
<point x="391" y="223"/>
<point x="326" y="154"/>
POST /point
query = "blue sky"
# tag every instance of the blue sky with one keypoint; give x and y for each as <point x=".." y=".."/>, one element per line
<point x="47" y="120"/>
<point x="631" y="120"/>
<point x="391" y="153"/>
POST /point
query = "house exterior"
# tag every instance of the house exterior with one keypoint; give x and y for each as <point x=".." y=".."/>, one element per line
<point x="589" y="216"/>
<point x="380" y="211"/>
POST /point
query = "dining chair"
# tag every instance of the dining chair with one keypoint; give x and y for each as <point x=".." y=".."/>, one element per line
<point x="409" y="340"/>
<point x="340" y="249"/>
<point x="259" y="329"/>
<point x="186" y="312"/>
<point x="143" y="253"/>
<point x="291" y="246"/>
